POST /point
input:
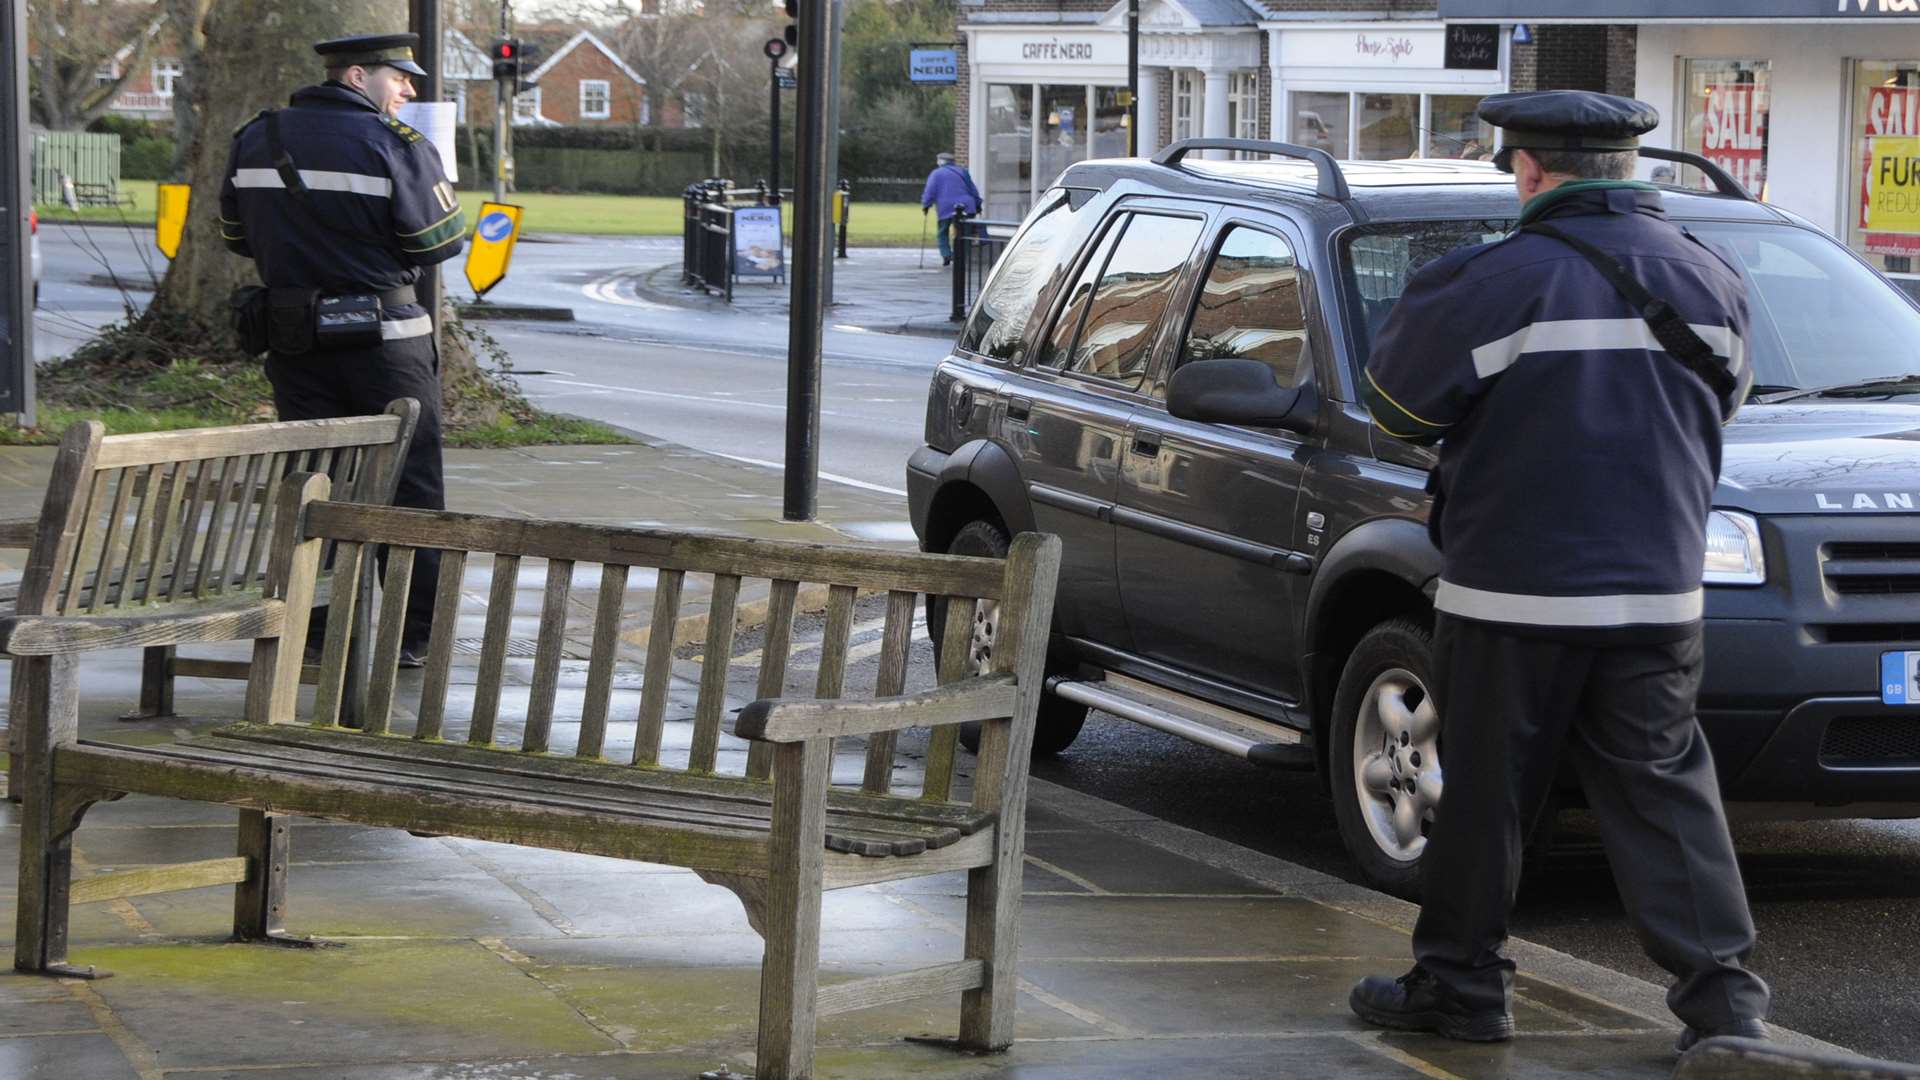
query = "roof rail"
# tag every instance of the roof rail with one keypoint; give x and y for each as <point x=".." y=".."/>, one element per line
<point x="1723" y="182"/>
<point x="1332" y="185"/>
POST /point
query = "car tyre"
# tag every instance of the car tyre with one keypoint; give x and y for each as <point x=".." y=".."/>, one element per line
<point x="1384" y="754"/>
<point x="1059" y="721"/>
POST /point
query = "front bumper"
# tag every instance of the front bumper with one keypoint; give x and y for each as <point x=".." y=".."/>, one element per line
<point x="923" y="479"/>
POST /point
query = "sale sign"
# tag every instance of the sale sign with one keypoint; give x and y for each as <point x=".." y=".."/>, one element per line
<point x="1733" y="133"/>
<point x="1888" y="191"/>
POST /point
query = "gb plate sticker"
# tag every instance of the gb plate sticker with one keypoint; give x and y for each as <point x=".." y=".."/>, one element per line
<point x="1900" y="678"/>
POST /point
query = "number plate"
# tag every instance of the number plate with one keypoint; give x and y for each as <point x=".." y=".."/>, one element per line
<point x="1900" y="678"/>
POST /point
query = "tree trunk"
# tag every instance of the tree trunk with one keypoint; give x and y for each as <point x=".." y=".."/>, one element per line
<point x="187" y="19"/>
<point x="257" y="52"/>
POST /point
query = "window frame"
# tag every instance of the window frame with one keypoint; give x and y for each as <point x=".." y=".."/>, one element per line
<point x="605" y="112"/>
<point x="529" y="98"/>
<point x="1217" y="240"/>
<point x="1243" y="106"/>
<point x="167" y="70"/>
<point x="1189" y="86"/>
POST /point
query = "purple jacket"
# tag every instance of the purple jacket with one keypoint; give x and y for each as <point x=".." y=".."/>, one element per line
<point x="948" y="185"/>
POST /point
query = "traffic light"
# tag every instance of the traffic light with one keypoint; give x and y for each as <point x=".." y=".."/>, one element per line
<point x="506" y="60"/>
<point x="792" y="30"/>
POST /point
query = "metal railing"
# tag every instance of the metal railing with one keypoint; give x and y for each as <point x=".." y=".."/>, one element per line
<point x="977" y="246"/>
<point x="90" y="160"/>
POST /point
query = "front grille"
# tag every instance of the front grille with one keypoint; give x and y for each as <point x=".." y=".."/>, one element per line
<point x="1858" y="550"/>
<point x="1875" y="584"/>
<point x="1861" y="741"/>
<point x="1872" y="567"/>
<point x="1866" y="633"/>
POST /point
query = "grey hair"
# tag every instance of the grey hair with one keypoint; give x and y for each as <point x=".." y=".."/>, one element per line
<point x="1587" y="164"/>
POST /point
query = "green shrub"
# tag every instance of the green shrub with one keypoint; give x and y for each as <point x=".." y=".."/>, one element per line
<point x="146" y="157"/>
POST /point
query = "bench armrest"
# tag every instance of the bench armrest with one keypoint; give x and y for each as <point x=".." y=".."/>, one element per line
<point x="787" y="720"/>
<point x="18" y="533"/>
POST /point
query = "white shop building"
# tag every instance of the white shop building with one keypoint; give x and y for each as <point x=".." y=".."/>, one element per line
<point x="1043" y="90"/>
<point x="1813" y="104"/>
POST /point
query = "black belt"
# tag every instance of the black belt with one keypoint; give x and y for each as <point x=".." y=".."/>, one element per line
<point x="399" y="297"/>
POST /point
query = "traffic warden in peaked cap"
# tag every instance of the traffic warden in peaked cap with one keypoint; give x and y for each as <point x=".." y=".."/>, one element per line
<point x="1576" y="376"/>
<point x="340" y="205"/>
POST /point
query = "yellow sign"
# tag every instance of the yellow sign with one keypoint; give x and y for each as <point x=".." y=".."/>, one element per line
<point x="491" y="249"/>
<point x="1892" y="201"/>
<point x="170" y="217"/>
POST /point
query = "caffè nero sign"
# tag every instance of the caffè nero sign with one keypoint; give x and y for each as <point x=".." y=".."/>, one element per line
<point x="1063" y="50"/>
<point x="1675" y="10"/>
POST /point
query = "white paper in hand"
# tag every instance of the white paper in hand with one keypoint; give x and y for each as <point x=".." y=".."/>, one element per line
<point x="435" y="120"/>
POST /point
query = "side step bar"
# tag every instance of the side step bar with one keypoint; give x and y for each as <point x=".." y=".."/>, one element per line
<point x="1259" y="741"/>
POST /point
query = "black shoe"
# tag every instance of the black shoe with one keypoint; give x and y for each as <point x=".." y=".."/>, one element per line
<point x="413" y="656"/>
<point x="1417" y="1001"/>
<point x="946" y="262"/>
<point x="1746" y="1028"/>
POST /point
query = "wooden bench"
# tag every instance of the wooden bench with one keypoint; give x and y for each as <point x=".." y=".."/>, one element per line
<point x="774" y="831"/>
<point x="163" y="536"/>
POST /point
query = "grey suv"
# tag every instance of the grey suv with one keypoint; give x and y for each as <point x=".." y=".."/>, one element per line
<point x="1247" y="563"/>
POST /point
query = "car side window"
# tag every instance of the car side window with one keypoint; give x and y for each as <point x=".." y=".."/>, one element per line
<point x="1129" y="297"/>
<point x="1059" y="346"/>
<point x="1250" y="306"/>
<point x="998" y="327"/>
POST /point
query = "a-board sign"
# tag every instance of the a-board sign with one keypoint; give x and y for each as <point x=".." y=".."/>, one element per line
<point x="933" y="66"/>
<point x="170" y="216"/>
<point x="758" y="250"/>
<point x="491" y="249"/>
<point x="1473" y="47"/>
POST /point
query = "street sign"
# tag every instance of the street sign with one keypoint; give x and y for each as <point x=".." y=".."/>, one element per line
<point x="170" y="217"/>
<point x="785" y="78"/>
<point x="933" y="66"/>
<point x="492" y="246"/>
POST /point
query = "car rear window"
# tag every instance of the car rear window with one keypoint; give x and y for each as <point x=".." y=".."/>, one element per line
<point x="998" y="326"/>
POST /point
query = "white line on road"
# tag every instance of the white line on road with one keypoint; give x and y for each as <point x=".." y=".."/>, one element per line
<point x="834" y="477"/>
<point x="707" y="398"/>
<point x="606" y="290"/>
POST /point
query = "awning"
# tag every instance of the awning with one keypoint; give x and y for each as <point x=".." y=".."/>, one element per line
<point x="1617" y="11"/>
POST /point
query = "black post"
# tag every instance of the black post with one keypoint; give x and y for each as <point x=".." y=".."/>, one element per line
<point x="1133" y="78"/>
<point x="811" y="192"/>
<point x="16" y="197"/>
<point x="424" y="20"/>
<point x="773" y="125"/>
<point x="960" y="251"/>
<point x="846" y="214"/>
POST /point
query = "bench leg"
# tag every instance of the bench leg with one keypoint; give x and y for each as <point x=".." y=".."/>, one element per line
<point x="48" y="716"/>
<point x="789" y="977"/>
<point x="156" y="684"/>
<point x="260" y="902"/>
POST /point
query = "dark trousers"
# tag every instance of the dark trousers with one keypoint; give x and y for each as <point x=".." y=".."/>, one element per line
<point x="1624" y="715"/>
<point x="946" y="239"/>
<point x="321" y="385"/>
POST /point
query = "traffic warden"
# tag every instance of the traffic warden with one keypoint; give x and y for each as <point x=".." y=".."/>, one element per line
<point x="1576" y="375"/>
<point x="339" y="205"/>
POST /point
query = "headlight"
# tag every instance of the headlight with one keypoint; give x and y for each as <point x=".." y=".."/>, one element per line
<point x="1734" y="556"/>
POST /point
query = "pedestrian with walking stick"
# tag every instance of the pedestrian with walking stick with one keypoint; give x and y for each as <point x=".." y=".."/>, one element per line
<point x="950" y="188"/>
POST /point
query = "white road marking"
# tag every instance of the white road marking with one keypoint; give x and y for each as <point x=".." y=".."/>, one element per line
<point x="708" y="398"/>
<point x="833" y="477"/>
<point x="606" y="290"/>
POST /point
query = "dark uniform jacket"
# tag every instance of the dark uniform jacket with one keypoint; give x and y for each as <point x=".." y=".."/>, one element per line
<point x="384" y="206"/>
<point x="1578" y="459"/>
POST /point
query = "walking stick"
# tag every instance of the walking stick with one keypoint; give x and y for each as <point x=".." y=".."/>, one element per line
<point x="923" y="238"/>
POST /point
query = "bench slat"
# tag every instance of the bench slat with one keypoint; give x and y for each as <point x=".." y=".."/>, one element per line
<point x="895" y="643"/>
<point x="606" y="646"/>
<point x="183" y="558"/>
<point x="289" y="435"/>
<point x="134" y="565"/>
<point x="956" y="660"/>
<point x="546" y="656"/>
<point x="658" y="677"/>
<point x="493" y="649"/>
<point x="329" y="693"/>
<point x="386" y="640"/>
<point x="776" y="644"/>
<point x="446" y="620"/>
<point x="276" y="467"/>
<point x="85" y="545"/>
<point x="227" y="575"/>
<point x="151" y="771"/>
<point x="712" y="703"/>
<point x="223" y="619"/>
<point x="216" y="521"/>
<point x="863" y="567"/>
<point x="103" y="570"/>
<point x="174" y="489"/>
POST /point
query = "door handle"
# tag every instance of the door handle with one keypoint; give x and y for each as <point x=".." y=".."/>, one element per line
<point x="1146" y="443"/>
<point x="1019" y="408"/>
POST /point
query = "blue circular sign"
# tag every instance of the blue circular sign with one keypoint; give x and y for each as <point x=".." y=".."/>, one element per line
<point x="495" y="227"/>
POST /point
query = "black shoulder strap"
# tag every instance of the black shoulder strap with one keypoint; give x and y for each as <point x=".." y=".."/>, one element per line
<point x="1669" y="328"/>
<point x="303" y="195"/>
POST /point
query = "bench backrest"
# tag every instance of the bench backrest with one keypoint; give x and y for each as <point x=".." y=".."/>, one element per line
<point x="604" y="561"/>
<point x="133" y="521"/>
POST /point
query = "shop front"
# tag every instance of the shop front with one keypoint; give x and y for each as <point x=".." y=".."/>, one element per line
<point x="1378" y="92"/>
<point x="1041" y="99"/>
<point x="1814" y="105"/>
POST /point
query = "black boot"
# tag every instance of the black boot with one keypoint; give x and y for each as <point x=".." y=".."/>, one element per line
<point x="1417" y="1001"/>
<point x="1744" y="1028"/>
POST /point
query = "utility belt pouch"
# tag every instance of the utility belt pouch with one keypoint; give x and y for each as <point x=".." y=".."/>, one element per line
<point x="248" y="304"/>
<point x="347" y="322"/>
<point x="290" y="314"/>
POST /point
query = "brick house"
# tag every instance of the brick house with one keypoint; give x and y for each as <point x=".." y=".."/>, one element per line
<point x="579" y="81"/>
<point x="1041" y="82"/>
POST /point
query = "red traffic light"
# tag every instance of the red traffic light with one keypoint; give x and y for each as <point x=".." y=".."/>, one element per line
<point x="506" y="51"/>
<point x="775" y="48"/>
<point x="503" y="50"/>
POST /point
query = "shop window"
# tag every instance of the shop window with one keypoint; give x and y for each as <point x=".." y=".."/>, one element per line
<point x="1455" y="130"/>
<point x="1724" y="106"/>
<point x="998" y="326"/>
<point x="1883" y="191"/>
<point x="1322" y="121"/>
<point x="596" y="99"/>
<point x="1243" y="106"/>
<point x="1009" y="134"/>
<point x="1189" y="96"/>
<point x="1249" y="308"/>
<point x="1388" y="123"/>
<point x="1063" y="129"/>
<point x="1129" y="297"/>
<point x="1109" y="122"/>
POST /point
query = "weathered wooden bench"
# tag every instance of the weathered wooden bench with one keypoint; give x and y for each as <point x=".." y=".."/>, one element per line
<point x="775" y="831"/>
<point x="163" y="536"/>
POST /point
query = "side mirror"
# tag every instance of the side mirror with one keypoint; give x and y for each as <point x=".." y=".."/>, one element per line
<point x="1236" y="392"/>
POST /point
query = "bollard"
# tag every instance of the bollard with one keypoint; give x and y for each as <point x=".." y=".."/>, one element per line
<point x="846" y="211"/>
<point x="960" y="248"/>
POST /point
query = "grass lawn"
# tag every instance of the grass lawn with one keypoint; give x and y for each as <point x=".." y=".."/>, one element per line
<point x="872" y="224"/>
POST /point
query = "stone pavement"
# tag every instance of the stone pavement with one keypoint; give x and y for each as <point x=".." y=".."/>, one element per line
<point x="884" y="290"/>
<point x="1146" y="949"/>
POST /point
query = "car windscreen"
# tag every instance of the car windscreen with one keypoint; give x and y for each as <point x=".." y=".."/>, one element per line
<point x="1819" y="316"/>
